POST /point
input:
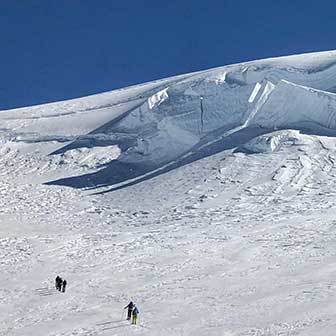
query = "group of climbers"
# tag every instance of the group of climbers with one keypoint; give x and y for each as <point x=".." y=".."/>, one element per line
<point x="132" y="312"/>
<point x="60" y="284"/>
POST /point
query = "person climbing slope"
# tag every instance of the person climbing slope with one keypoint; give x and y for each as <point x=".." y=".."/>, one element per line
<point x="64" y="283"/>
<point x="135" y="313"/>
<point x="129" y="311"/>
<point x="58" y="283"/>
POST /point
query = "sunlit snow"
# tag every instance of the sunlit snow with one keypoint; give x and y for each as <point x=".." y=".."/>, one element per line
<point x="208" y="199"/>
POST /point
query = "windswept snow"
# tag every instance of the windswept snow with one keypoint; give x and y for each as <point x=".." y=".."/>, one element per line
<point x="207" y="198"/>
<point x="158" y="98"/>
<point x="268" y="143"/>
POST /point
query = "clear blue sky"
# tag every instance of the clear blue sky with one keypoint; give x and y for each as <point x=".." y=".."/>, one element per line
<point x="52" y="50"/>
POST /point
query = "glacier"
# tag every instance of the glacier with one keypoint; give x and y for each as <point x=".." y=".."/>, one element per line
<point x="206" y="198"/>
<point x="161" y="122"/>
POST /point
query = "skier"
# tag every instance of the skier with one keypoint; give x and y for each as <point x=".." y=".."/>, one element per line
<point x="58" y="283"/>
<point x="64" y="283"/>
<point x="130" y="307"/>
<point x="135" y="313"/>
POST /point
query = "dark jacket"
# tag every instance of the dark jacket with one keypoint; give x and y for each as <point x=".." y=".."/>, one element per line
<point x="130" y="306"/>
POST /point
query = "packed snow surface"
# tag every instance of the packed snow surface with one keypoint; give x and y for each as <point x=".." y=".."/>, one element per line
<point x="208" y="199"/>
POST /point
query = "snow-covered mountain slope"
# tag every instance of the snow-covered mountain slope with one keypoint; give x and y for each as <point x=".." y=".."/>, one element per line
<point x="208" y="199"/>
<point x="161" y="122"/>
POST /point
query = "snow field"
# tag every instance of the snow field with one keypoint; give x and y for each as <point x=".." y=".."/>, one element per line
<point x="238" y="239"/>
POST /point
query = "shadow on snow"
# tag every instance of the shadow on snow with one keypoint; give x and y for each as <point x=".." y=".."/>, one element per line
<point x="117" y="172"/>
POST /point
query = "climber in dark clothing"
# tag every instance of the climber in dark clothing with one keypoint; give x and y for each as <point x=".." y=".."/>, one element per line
<point x="64" y="283"/>
<point x="58" y="283"/>
<point x="130" y="309"/>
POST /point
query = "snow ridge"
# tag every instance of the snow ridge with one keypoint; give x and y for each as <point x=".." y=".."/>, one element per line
<point x="160" y="122"/>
